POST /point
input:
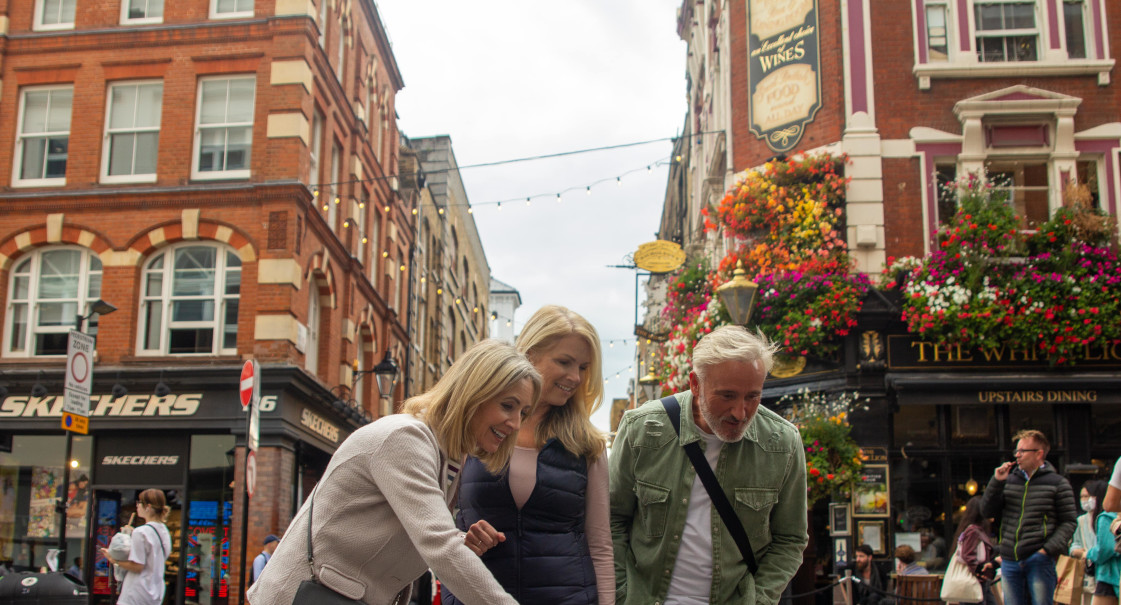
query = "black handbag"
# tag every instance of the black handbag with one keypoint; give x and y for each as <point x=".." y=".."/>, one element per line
<point x="715" y="493"/>
<point x="312" y="592"/>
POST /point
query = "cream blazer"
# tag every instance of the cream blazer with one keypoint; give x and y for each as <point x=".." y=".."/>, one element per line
<point x="381" y="519"/>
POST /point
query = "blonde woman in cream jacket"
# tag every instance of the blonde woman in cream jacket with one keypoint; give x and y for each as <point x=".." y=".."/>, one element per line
<point x="381" y="511"/>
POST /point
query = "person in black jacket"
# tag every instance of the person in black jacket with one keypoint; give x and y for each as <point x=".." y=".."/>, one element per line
<point x="868" y="581"/>
<point x="1037" y="515"/>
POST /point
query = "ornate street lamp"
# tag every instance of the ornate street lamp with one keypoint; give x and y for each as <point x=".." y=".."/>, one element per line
<point x="649" y="386"/>
<point x="386" y="374"/>
<point x="738" y="295"/>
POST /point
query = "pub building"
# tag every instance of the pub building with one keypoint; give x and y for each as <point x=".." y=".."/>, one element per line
<point x="940" y="419"/>
<point x="913" y="95"/>
<point x="188" y="441"/>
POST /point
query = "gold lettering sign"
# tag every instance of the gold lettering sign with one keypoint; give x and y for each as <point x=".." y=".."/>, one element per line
<point x="659" y="256"/>
<point x="1039" y="396"/>
<point x="784" y="96"/>
<point x="783" y="69"/>
<point x="772" y="17"/>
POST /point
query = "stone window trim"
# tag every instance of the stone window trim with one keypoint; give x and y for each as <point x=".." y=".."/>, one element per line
<point x="1053" y="60"/>
<point x="1018" y="104"/>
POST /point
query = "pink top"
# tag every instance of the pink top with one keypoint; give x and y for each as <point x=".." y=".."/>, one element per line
<point x="523" y="476"/>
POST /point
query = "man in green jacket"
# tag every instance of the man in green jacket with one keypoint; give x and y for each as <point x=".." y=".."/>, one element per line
<point x="671" y="547"/>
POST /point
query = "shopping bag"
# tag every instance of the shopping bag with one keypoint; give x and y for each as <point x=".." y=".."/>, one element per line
<point x="960" y="585"/>
<point x="1070" y="571"/>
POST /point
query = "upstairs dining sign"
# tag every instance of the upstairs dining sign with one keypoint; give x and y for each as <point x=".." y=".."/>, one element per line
<point x="784" y="75"/>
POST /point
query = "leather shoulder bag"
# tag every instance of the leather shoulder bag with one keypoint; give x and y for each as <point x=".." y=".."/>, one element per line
<point x="712" y="486"/>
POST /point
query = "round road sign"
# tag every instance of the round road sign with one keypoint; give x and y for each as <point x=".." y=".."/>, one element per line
<point x="247" y="380"/>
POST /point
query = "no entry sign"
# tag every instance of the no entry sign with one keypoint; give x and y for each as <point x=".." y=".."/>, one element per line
<point x="248" y="383"/>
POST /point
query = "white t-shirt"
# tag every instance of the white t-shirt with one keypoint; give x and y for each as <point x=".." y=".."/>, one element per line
<point x="1115" y="480"/>
<point x="691" y="582"/>
<point x="151" y="544"/>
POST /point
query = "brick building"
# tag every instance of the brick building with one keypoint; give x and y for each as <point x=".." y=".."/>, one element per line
<point x="224" y="173"/>
<point x="916" y="93"/>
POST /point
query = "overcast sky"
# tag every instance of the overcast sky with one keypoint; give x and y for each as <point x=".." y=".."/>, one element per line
<point x="511" y="79"/>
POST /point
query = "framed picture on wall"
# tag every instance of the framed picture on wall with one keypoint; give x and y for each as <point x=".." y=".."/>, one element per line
<point x="840" y="552"/>
<point x="840" y="522"/>
<point x="870" y="494"/>
<point x="872" y="534"/>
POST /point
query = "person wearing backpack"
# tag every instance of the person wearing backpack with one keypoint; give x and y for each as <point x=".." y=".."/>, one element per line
<point x="151" y="544"/>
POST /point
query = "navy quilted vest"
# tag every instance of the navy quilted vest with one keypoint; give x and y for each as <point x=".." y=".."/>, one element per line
<point x="545" y="558"/>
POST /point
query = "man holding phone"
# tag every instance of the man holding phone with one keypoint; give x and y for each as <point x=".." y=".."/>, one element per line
<point x="1035" y="505"/>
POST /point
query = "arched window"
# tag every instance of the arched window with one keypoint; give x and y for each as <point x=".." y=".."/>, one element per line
<point x="190" y="301"/>
<point x="47" y="291"/>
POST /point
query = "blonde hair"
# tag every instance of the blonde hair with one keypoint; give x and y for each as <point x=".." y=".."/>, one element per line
<point x="732" y="343"/>
<point x="571" y="423"/>
<point x="483" y="372"/>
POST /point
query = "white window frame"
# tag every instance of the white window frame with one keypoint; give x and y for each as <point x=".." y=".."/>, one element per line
<point x="165" y="300"/>
<point x="214" y="14"/>
<point x="106" y="149"/>
<point x="1004" y="34"/>
<point x="127" y="20"/>
<point x="1087" y="32"/>
<point x="943" y="6"/>
<point x="30" y="270"/>
<point x="323" y="15"/>
<point x="317" y="123"/>
<point x="340" y="54"/>
<point x="242" y="173"/>
<point x="40" y="6"/>
<point x="22" y="137"/>
<point x="314" y="316"/>
<point x="336" y="186"/>
<point x="1049" y="62"/>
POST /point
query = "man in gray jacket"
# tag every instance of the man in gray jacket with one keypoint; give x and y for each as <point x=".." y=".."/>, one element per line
<point x="1037" y="515"/>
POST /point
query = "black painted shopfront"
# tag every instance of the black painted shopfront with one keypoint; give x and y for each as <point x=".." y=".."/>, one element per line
<point x="189" y="443"/>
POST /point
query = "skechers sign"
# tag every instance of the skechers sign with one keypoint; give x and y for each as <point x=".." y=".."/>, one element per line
<point x="186" y="404"/>
<point x="140" y="460"/>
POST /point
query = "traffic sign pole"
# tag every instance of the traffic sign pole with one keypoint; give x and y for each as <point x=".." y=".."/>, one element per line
<point x="249" y="388"/>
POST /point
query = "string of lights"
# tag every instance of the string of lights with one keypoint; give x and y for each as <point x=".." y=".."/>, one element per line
<point x="531" y="158"/>
<point x="528" y="199"/>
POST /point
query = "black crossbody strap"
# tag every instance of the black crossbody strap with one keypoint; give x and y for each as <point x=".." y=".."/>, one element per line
<point x="712" y="486"/>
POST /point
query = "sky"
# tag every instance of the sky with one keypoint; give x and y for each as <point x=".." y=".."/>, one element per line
<point x="509" y="79"/>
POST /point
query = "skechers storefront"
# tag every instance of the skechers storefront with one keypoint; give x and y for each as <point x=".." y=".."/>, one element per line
<point x="189" y="443"/>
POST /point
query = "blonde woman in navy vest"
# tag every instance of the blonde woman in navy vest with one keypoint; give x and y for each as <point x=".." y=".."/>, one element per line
<point x="542" y="528"/>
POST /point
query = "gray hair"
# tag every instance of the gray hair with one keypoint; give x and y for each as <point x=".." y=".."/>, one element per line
<point x="733" y="343"/>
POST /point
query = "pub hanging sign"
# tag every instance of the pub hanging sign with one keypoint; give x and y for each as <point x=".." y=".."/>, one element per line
<point x="784" y="76"/>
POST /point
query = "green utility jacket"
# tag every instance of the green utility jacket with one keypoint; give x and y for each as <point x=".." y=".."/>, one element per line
<point x="764" y="476"/>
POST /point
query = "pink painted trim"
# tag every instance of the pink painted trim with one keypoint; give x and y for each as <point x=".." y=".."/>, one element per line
<point x="963" y="24"/>
<point x="920" y="23"/>
<point x="1099" y="28"/>
<point x="857" y="56"/>
<point x="1053" y="17"/>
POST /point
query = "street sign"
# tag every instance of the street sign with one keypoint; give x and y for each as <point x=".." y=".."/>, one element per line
<point x="251" y="473"/>
<point x="248" y="383"/>
<point x="76" y="423"/>
<point x="79" y="378"/>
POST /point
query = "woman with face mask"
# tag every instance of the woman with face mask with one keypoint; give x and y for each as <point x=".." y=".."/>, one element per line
<point x="1092" y="494"/>
<point x="542" y="528"/>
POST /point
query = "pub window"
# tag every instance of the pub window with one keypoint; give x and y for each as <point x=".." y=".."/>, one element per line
<point x="916" y="425"/>
<point x="190" y="301"/>
<point x="1041" y="417"/>
<point x="1106" y="427"/>
<point x="1006" y="31"/>
<point x="937" y="31"/>
<point x="973" y="425"/>
<point x="1074" y="24"/>
<point x="1088" y="175"/>
<point x="46" y="291"/>
<point x="1028" y="187"/>
<point x="944" y="177"/>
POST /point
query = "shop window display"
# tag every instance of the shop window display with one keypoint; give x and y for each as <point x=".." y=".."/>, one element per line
<point x="210" y="510"/>
<point x="31" y="476"/>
